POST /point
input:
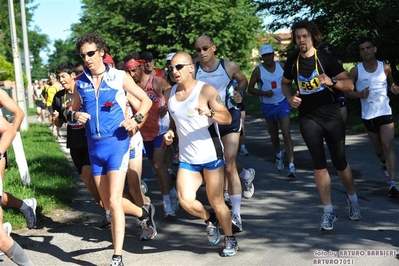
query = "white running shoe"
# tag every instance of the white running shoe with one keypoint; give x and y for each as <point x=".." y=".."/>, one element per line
<point x="30" y="213"/>
<point x="280" y="162"/>
<point x="212" y="232"/>
<point x="248" y="186"/>
<point x="292" y="172"/>
<point x="167" y="207"/>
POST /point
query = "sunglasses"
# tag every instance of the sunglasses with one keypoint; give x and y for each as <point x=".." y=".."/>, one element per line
<point x="89" y="54"/>
<point x="203" y="48"/>
<point x="178" y="67"/>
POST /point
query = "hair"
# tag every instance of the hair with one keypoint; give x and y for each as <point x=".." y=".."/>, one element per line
<point x="311" y="28"/>
<point x="324" y="45"/>
<point x="92" y="37"/>
<point x="131" y="55"/>
<point x="365" y="39"/>
<point x="52" y="75"/>
<point x="67" y="67"/>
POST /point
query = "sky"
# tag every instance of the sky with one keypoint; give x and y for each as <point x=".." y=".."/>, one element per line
<point x="55" y="17"/>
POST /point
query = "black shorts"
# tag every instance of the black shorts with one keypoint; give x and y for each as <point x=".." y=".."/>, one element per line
<point x="373" y="125"/>
<point x="40" y="104"/>
<point x="80" y="158"/>
<point x="235" y="125"/>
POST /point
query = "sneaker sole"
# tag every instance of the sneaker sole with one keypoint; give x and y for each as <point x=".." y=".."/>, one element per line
<point x="235" y="228"/>
<point x="153" y="224"/>
<point x="292" y="175"/>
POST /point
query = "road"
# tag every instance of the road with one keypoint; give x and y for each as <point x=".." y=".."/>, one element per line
<point x="280" y="221"/>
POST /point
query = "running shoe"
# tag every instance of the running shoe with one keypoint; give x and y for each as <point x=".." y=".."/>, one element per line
<point x="354" y="211"/>
<point x="244" y="152"/>
<point x="8" y="228"/>
<point x="384" y="170"/>
<point x="327" y="221"/>
<point x="149" y="229"/>
<point x="174" y="201"/>
<point x="393" y="191"/>
<point x="212" y="232"/>
<point x="30" y="213"/>
<point x="248" y="186"/>
<point x="280" y="162"/>
<point x="292" y="172"/>
<point x="230" y="246"/>
<point x="116" y="261"/>
<point x="236" y="223"/>
<point x="227" y="199"/>
<point x="167" y="207"/>
<point x="106" y="223"/>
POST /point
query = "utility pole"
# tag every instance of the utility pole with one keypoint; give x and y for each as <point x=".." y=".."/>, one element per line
<point x="27" y="55"/>
<point x="19" y="83"/>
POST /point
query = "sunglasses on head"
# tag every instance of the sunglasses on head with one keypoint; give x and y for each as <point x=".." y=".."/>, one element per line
<point x="178" y="67"/>
<point x="203" y="48"/>
<point x="89" y="54"/>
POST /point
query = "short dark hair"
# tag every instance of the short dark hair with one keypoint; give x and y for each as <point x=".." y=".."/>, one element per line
<point x="67" y="67"/>
<point x="311" y="28"/>
<point x="131" y="55"/>
<point x="146" y="55"/>
<point x="366" y="39"/>
<point x="92" y="37"/>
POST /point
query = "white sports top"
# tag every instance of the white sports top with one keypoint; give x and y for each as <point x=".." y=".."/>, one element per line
<point x="271" y="81"/>
<point x="377" y="103"/>
<point x="199" y="140"/>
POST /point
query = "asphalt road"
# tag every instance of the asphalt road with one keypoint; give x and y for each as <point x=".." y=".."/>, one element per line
<point x="280" y="222"/>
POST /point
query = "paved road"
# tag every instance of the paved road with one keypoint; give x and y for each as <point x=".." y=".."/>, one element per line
<point x="280" y="221"/>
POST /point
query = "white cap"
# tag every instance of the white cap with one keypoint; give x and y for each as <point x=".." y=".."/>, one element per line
<point x="266" y="49"/>
<point x="169" y="56"/>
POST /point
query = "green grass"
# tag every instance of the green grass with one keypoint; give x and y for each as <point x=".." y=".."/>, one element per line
<point x="52" y="180"/>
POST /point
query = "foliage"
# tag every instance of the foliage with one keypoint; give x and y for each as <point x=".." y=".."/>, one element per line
<point x="165" y="26"/>
<point x="52" y="180"/>
<point x="9" y="73"/>
<point x="343" y="23"/>
<point x="63" y="51"/>
<point x="37" y="41"/>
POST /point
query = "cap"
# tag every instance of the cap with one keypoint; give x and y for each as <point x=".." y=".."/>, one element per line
<point x="146" y="56"/>
<point x="108" y="59"/>
<point x="266" y="49"/>
<point x="169" y="56"/>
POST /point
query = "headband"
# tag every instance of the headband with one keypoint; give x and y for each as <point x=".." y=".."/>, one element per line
<point x="134" y="63"/>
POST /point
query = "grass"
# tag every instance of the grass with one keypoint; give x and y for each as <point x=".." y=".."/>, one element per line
<point x="52" y="180"/>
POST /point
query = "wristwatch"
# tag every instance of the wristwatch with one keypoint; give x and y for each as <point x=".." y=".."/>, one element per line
<point x="212" y="113"/>
<point x="138" y="117"/>
<point x="334" y="81"/>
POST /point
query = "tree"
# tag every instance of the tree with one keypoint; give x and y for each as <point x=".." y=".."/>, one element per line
<point x="165" y="26"/>
<point x="37" y="41"/>
<point x="343" y="23"/>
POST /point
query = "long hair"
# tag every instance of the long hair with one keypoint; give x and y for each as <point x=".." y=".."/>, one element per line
<point x="311" y="28"/>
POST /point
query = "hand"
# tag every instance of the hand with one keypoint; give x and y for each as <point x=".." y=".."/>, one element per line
<point x="237" y="97"/>
<point x="203" y="109"/>
<point x="364" y="93"/>
<point x="324" y="79"/>
<point x="269" y="93"/>
<point x="168" y="137"/>
<point x="129" y="125"/>
<point x="82" y="117"/>
<point x="394" y="88"/>
<point x="163" y="110"/>
<point x="55" y="114"/>
<point x="295" y="100"/>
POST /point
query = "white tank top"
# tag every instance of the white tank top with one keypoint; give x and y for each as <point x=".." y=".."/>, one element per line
<point x="220" y="80"/>
<point x="271" y="81"/>
<point x="377" y="103"/>
<point x="199" y="140"/>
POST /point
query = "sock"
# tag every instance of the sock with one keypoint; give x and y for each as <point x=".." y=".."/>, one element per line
<point x="24" y="206"/>
<point x="212" y="218"/>
<point x="17" y="255"/>
<point x="328" y="208"/>
<point x="145" y="213"/>
<point x="166" y="197"/>
<point x="291" y="165"/>
<point x="242" y="146"/>
<point x="173" y="192"/>
<point x="236" y="203"/>
<point x="353" y="198"/>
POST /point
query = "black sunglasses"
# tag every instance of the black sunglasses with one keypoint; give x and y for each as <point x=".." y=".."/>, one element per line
<point x="89" y="54"/>
<point x="203" y="48"/>
<point x="178" y="67"/>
